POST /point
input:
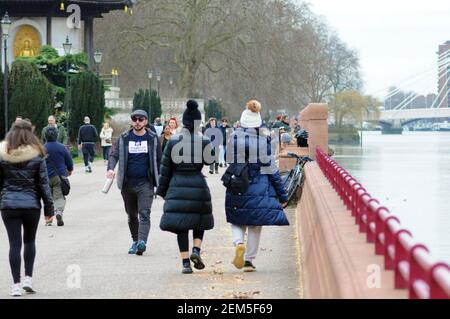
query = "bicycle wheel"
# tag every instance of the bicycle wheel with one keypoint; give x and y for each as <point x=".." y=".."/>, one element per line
<point x="293" y="185"/>
<point x="287" y="177"/>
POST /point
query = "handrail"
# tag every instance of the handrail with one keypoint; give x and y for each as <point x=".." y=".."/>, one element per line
<point x="414" y="269"/>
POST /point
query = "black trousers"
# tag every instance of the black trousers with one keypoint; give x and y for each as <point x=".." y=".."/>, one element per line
<point x="88" y="153"/>
<point x="183" y="239"/>
<point x="14" y="220"/>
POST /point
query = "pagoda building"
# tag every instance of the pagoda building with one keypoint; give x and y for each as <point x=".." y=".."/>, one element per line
<point x="50" y="22"/>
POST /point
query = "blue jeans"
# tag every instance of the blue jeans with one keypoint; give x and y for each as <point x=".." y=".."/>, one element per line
<point x="106" y="150"/>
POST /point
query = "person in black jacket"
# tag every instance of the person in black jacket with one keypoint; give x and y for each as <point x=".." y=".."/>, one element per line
<point x="184" y="188"/>
<point x="87" y="137"/>
<point x="23" y="183"/>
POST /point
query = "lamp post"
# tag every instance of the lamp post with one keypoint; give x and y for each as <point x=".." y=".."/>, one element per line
<point x="150" y="77"/>
<point x="158" y="78"/>
<point x="67" y="48"/>
<point x="6" y="25"/>
<point x="98" y="55"/>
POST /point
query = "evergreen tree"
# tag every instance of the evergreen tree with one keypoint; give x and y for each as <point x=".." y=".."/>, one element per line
<point x="146" y="102"/>
<point x="150" y="103"/>
<point x="156" y="106"/>
<point x="87" y="98"/>
<point x="30" y="94"/>
<point x="214" y="109"/>
<point x="138" y="100"/>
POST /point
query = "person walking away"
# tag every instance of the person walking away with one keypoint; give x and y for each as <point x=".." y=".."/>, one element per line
<point x="106" y="138"/>
<point x="59" y="163"/>
<point x="263" y="202"/>
<point x="226" y="129"/>
<point x="138" y="153"/>
<point x="87" y="137"/>
<point x="185" y="191"/>
<point x="158" y="126"/>
<point x="23" y="184"/>
<point x="63" y="137"/>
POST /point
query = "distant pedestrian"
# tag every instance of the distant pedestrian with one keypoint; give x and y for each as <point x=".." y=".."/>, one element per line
<point x="211" y="131"/>
<point x="138" y="153"/>
<point x="87" y="137"/>
<point x="106" y="138"/>
<point x="63" y="138"/>
<point x="23" y="184"/>
<point x="226" y="131"/>
<point x="173" y="124"/>
<point x="165" y="137"/>
<point x="262" y="203"/>
<point x="59" y="165"/>
<point x="184" y="188"/>
<point x="158" y="126"/>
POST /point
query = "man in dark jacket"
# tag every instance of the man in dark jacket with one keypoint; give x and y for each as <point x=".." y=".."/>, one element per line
<point x="138" y="153"/>
<point x="59" y="163"/>
<point x="87" y="137"/>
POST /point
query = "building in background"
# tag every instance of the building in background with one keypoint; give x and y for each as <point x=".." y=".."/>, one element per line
<point x="49" y="22"/>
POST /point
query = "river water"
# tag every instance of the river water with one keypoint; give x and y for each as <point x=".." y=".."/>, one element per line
<point x="410" y="175"/>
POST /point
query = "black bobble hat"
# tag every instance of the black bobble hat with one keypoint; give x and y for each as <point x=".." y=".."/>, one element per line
<point x="191" y="114"/>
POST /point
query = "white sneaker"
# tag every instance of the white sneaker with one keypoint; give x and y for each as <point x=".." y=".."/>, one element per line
<point x="16" y="290"/>
<point x="28" y="285"/>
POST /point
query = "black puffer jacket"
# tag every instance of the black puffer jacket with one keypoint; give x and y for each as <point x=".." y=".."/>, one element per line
<point x="24" y="180"/>
<point x="183" y="186"/>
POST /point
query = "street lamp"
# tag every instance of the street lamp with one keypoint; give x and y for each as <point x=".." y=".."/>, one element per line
<point x="98" y="55"/>
<point x="150" y="77"/>
<point x="158" y="78"/>
<point x="6" y="25"/>
<point x="67" y="46"/>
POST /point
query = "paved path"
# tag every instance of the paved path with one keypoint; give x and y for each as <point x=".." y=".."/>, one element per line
<point x="96" y="239"/>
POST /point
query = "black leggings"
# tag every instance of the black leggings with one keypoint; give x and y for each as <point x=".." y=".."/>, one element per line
<point x="183" y="239"/>
<point x="14" y="220"/>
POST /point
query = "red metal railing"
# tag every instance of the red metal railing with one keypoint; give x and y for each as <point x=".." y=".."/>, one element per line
<point x="413" y="266"/>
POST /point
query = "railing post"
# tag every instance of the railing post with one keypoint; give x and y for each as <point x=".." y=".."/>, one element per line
<point x="401" y="254"/>
<point x="317" y="116"/>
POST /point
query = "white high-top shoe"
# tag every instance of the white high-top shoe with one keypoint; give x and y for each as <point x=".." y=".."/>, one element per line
<point x="28" y="285"/>
<point x="16" y="290"/>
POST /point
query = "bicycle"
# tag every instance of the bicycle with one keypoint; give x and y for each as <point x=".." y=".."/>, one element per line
<point x="295" y="176"/>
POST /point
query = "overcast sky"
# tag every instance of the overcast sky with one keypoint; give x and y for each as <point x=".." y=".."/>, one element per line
<point x="396" y="39"/>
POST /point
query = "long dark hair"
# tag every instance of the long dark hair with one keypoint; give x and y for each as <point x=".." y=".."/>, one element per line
<point x="21" y="134"/>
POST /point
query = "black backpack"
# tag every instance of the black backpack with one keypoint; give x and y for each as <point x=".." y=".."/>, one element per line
<point x="236" y="178"/>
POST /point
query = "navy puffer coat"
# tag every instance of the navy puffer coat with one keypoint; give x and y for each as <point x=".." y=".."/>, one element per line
<point x="260" y="205"/>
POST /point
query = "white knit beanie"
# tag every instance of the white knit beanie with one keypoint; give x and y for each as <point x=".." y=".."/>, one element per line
<point x="251" y="117"/>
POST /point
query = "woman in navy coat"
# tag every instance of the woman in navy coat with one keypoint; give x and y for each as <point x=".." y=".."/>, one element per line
<point x="262" y="203"/>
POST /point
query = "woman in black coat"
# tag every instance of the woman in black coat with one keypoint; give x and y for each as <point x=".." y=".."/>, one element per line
<point x="183" y="186"/>
<point x="23" y="183"/>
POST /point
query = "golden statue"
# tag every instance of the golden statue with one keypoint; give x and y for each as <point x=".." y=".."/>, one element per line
<point x="27" y="50"/>
<point x="26" y="42"/>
